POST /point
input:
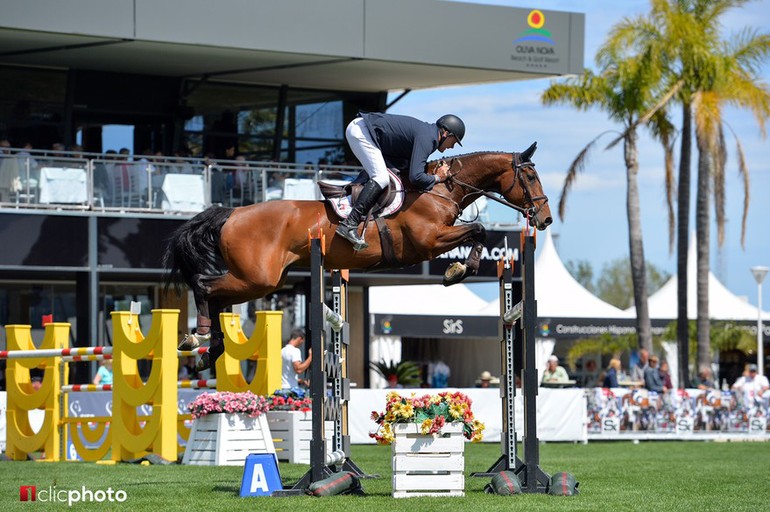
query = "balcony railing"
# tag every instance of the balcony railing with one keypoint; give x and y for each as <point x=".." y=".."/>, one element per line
<point x="144" y="184"/>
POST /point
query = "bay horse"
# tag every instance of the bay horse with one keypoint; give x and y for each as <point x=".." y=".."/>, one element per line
<point x="232" y="255"/>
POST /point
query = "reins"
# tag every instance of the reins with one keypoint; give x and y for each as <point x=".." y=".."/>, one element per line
<point x="516" y="165"/>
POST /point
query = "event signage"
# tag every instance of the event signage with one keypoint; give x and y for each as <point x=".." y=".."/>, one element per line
<point x="436" y="326"/>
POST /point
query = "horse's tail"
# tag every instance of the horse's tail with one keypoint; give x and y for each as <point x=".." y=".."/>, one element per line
<point x="194" y="248"/>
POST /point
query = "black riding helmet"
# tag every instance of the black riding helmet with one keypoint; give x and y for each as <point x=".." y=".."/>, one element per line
<point x="453" y="125"/>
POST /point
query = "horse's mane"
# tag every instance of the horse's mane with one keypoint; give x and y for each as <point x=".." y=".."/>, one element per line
<point x="471" y="155"/>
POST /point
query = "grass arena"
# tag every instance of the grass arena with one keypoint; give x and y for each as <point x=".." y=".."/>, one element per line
<point x="621" y="476"/>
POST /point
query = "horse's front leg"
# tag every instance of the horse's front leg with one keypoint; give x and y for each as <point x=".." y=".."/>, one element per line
<point x="451" y="237"/>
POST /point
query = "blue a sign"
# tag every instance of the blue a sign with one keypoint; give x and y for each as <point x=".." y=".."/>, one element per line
<point x="260" y="475"/>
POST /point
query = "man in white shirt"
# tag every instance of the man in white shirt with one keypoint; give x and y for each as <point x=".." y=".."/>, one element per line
<point x="292" y="364"/>
<point x="751" y="385"/>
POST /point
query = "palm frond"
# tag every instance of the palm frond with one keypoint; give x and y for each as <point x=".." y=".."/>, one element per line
<point x="577" y="166"/>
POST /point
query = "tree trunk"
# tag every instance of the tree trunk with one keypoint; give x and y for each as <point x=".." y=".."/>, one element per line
<point x="683" y="234"/>
<point x="702" y="218"/>
<point x="636" y="246"/>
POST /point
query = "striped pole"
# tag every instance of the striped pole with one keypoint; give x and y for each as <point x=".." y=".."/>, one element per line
<point x="197" y="384"/>
<point x="56" y="352"/>
<point x="95" y="357"/>
<point x="83" y="388"/>
<point x="193" y="352"/>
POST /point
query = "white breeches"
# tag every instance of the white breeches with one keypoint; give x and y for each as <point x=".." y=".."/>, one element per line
<point x="363" y="146"/>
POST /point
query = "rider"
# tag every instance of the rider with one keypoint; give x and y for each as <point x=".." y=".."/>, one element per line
<point x="402" y="141"/>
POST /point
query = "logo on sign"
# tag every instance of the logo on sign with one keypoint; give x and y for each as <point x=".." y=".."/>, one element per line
<point x="534" y="46"/>
<point x="453" y="326"/>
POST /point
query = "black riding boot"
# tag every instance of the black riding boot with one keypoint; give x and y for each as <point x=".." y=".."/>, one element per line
<point x="348" y="228"/>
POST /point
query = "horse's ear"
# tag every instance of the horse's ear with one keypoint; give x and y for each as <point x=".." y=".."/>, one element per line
<point x="526" y="155"/>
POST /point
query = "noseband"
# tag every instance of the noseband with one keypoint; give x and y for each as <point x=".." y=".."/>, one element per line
<point x="517" y="165"/>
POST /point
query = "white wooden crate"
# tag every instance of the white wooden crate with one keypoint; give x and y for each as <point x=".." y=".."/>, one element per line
<point x="292" y="432"/>
<point x="226" y="439"/>
<point x="428" y="465"/>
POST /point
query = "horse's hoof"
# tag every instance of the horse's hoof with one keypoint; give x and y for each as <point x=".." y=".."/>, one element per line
<point x="204" y="363"/>
<point x="455" y="273"/>
<point x="194" y="340"/>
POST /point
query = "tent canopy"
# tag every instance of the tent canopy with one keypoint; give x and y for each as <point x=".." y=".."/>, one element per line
<point x="558" y="294"/>
<point x="723" y="305"/>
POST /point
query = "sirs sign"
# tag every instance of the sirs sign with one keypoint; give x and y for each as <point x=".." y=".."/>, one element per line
<point x="453" y="326"/>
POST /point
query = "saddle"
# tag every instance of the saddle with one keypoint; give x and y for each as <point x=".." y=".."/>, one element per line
<point x="342" y="196"/>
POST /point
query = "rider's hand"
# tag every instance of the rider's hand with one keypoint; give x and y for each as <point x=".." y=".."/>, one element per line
<point x="442" y="171"/>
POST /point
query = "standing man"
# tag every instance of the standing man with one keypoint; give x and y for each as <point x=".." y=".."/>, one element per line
<point x="403" y="142"/>
<point x="751" y="385"/>
<point x="292" y="364"/>
<point x="638" y="370"/>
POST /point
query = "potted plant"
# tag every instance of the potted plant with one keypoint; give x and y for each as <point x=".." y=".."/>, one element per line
<point x="226" y="428"/>
<point x="426" y="434"/>
<point x="402" y="374"/>
<point x="291" y="424"/>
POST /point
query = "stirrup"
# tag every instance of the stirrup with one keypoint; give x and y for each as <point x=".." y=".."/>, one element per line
<point x="194" y="340"/>
<point x="351" y="235"/>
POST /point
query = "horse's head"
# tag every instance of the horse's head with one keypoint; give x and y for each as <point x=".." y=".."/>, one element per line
<point x="523" y="188"/>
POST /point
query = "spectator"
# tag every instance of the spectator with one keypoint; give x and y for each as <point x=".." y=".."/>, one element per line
<point x="484" y="379"/>
<point x="637" y="371"/>
<point x="187" y="369"/>
<point x="751" y="385"/>
<point x="613" y="371"/>
<point x="103" y="172"/>
<point x="553" y="372"/>
<point x="293" y="365"/>
<point x="665" y="375"/>
<point x="652" y="378"/>
<point x="705" y="379"/>
<point x="9" y="171"/>
<point x="104" y="374"/>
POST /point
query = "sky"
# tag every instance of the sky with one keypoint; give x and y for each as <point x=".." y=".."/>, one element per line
<point x="510" y="116"/>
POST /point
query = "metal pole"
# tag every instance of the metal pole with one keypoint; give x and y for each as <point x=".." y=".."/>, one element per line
<point x="760" y="347"/>
<point x="759" y="275"/>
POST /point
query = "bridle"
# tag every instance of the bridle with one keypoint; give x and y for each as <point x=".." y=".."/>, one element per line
<point x="517" y="165"/>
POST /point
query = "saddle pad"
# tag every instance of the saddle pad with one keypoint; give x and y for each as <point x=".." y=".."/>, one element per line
<point x="342" y="206"/>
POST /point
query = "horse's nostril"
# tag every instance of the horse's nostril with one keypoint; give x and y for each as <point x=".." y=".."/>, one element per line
<point x="548" y="221"/>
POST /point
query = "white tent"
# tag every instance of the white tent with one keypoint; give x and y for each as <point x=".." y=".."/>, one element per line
<point x="723" y="305"/>
<point x="424" y="299"/>
<point x="558" y="294"/>
<point x="431" y="300"/>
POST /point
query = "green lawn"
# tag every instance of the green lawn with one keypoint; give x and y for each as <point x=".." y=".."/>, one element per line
<point x="661" y="476"/>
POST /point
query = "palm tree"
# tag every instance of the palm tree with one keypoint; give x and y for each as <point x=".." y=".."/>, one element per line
<point x="684" y="38"/>
<point x="622" y="89"/>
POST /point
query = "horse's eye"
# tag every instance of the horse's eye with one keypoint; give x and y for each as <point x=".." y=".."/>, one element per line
<point x="531" y="177"/>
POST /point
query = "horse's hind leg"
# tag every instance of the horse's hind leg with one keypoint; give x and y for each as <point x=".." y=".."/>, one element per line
<point x="202" y="331"/>
<point x="217" y="346"/>
<point x="221" y="292"/>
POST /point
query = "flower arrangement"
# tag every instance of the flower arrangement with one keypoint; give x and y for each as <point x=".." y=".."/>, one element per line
<point x="227" y="402"/>
<point x="430" y="412"/>
<point x="294" y="399"/>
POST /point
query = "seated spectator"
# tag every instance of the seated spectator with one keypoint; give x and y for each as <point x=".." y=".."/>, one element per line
<point x="484" y="379"/>
<point x="652" y="378"/>
<point x="553" y="372"/>
<point x="705" y="379"/>
<point x="613" y="371"/>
